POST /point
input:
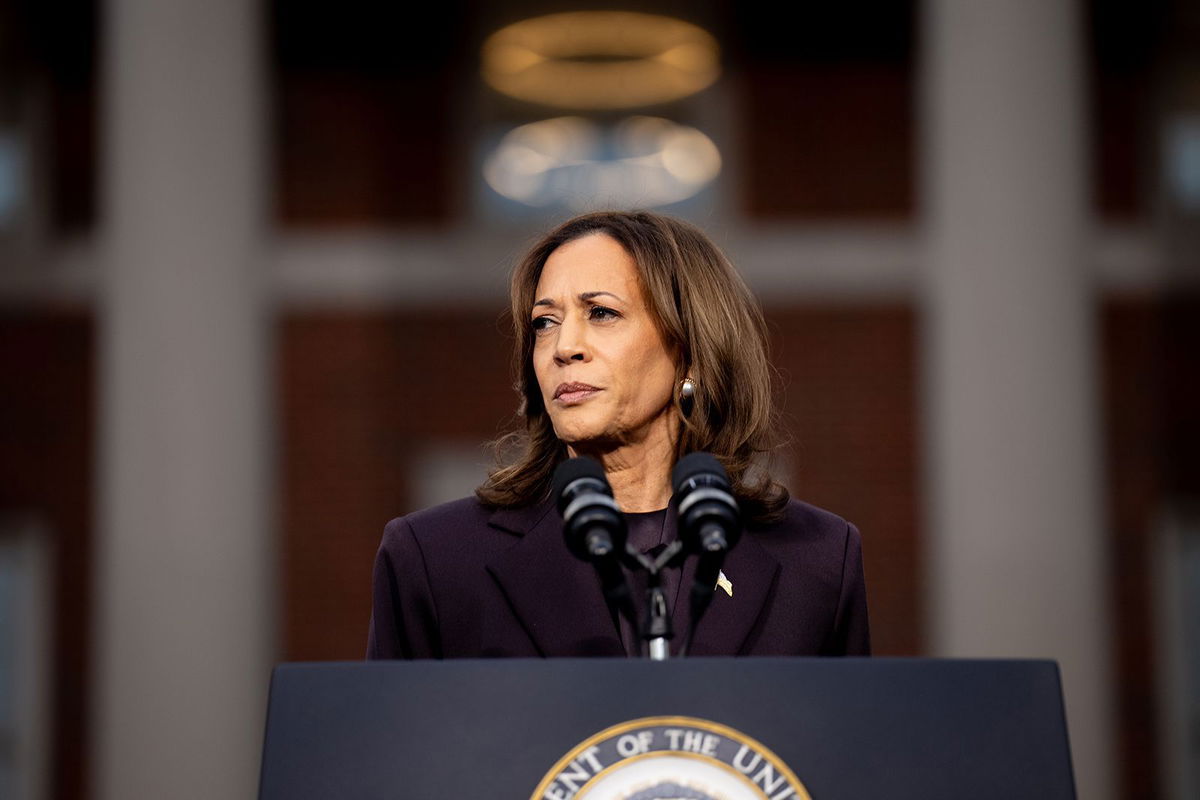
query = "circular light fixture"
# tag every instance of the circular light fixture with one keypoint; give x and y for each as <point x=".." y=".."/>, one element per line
<point x="571" y="161"/>
<point x="600" y="59"/>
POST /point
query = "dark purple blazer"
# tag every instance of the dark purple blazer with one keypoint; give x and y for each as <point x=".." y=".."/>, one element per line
<point x="462" y="581"/>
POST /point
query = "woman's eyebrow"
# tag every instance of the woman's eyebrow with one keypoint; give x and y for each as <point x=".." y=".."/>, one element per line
<point x="591" y="295"/>
<point x="546" y="301"/>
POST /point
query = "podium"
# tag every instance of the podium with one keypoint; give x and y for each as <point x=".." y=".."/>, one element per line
<point x="776" y="728"/>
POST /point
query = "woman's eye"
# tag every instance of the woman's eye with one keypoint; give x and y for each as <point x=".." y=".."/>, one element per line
<point x="540" y="324"/>
<point x="602" y="313"/>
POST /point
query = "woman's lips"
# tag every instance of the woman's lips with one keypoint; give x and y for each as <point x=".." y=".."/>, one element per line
<point x="572" y="393"/>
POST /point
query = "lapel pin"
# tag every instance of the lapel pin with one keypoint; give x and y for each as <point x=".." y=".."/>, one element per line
<point x="724" y="583"/>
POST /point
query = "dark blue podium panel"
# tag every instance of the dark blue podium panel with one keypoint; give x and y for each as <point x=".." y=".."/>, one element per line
<point x="849" y="729"/>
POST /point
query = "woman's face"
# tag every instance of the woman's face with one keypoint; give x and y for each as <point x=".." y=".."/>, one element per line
<point x="604" y="372"/>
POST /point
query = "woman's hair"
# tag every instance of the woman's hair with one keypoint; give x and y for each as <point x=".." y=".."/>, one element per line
<point x="709" y="321"/>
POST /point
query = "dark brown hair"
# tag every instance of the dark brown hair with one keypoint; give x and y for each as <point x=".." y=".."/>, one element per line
<point x="708" y="319"/>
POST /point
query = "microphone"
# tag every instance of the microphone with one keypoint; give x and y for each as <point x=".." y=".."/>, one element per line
<point x="709" y="520"/>
<point x="594" y="527"/>
<point x="709" y="525"/>
<point x="592" y="523"/>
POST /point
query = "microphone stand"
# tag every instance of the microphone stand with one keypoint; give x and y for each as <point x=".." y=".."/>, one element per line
<point x="657" y="631"/>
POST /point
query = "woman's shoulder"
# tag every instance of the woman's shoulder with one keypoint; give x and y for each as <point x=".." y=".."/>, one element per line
<point x="803" y="521"/>
<point x="811" y="541"/>
<point x="456" y="515"/>
<point x="807" y="514"/>
<point x="444" y="537"/>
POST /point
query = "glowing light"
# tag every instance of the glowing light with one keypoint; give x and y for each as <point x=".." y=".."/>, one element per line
<point x="600" y="59"/>
<point x="641" y="161"/>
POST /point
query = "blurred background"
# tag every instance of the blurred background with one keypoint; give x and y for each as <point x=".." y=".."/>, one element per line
<point x="253" y="263"/>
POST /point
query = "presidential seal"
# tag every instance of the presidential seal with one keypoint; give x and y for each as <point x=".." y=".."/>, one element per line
<point x="670" y="758"/>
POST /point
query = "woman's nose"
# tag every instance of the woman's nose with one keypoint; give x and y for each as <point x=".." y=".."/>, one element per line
<point x="572" y="342"/>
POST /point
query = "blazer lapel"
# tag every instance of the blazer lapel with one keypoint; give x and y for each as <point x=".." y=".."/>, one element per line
<point x="557" y="597"/>
<point x="727" y="623"/>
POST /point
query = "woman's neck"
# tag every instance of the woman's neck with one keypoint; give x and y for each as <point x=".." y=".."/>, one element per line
<point x="639" y="473"/>
<point x="638" y="485"/>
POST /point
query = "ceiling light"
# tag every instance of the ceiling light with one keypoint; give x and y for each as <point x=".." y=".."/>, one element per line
<point x="600" y="60"/>
<point x="573" y="162"/>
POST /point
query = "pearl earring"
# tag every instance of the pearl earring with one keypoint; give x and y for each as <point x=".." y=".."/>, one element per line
<point x="687" y="394"/>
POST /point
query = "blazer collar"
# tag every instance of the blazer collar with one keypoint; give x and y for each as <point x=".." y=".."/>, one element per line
<point x="559" y="599"/>
<point x="521" y="520"/>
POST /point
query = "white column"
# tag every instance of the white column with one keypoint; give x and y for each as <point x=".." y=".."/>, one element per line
<point x="1017" y="542"/>
<point x="185" y="621"/>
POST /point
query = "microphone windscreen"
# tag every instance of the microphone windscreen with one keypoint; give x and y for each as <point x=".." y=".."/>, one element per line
<point x="694" y="464"/>
<point x="572" y="470"/>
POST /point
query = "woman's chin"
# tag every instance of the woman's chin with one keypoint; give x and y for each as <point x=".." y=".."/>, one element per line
<point x="575" y="427"/>
<point x="581" y="444"/>
<point x="586" y="441"/>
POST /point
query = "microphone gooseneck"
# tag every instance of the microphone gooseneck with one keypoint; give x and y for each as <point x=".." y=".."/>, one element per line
<point x="710" y="525"/>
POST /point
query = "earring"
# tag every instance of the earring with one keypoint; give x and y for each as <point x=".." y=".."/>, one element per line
<point x="687" y="394"/>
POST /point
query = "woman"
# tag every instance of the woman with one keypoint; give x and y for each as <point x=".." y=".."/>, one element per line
<point x="636" y="343"/>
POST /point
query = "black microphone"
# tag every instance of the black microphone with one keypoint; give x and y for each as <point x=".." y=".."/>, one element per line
<point x="594" y="527"/>
<point x="709" y="520"/>
<point x="592" y="523"/>
<point x="709" y="525"/>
